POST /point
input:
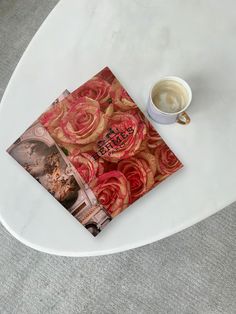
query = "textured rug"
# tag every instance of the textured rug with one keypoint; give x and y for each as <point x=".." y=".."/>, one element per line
<point x="193" y="271"/>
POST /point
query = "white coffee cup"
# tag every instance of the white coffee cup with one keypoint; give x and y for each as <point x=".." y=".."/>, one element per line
<point x="168" y="100"/>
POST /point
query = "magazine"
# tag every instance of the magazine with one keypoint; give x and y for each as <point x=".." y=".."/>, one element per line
<point x="95" y="151"/>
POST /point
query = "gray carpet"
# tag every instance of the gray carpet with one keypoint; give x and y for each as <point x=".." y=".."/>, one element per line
<point x="193" y="271"/>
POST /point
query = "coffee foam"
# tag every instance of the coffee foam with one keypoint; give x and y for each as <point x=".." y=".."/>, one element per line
<point x="169" y="96"/>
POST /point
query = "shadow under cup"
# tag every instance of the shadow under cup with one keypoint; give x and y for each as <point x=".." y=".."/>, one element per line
<point x="168" y="100"/>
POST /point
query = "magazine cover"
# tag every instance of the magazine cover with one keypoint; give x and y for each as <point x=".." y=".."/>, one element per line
<point x="95" y="151"/>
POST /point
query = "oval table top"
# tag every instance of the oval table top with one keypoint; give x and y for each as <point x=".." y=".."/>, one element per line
<point x="141" y="41"/>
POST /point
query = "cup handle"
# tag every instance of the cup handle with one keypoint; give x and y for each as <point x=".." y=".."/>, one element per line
<point x="183" y="118"/>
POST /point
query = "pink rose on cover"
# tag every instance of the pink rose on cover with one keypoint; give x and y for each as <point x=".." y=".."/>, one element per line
<point x="51" y="118"/>
<point x="122" y="137"/>
<point x="96" y="89"/>
<point x="166" y="161"/>
<point x="120" y="97"/>
<point x="112" y="191"/>
<point x="86" y="166"/>
<point x="152" y="136"/>
<point x="82" y="124"/>
<point x="139" y="171"/>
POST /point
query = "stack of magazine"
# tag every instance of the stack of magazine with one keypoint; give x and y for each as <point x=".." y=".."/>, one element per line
<point x="95" y="152"/>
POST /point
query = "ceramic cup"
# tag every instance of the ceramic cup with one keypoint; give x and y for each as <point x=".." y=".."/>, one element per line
<point x="170" y="104"/>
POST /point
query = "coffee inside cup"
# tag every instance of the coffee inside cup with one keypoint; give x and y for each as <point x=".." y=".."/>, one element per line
<point x="169" y="96"/>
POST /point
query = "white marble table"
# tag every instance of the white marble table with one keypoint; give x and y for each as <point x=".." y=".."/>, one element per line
<point x="141" y="41"/>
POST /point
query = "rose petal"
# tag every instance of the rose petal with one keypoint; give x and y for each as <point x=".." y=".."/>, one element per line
<point x="112" y="191"/>
<point x="139" y="175"/>
<point x="83" y="123"/>
<point x="85" y="165"/>
<point x="166" y="161"/>
<point x="120" y="97"/>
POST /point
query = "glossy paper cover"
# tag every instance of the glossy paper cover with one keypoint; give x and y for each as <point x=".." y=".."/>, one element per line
<point x="95" y="151"/>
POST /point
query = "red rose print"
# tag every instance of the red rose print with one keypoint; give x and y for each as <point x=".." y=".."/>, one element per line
<point x="166" y="161"/>
<point x="105" y="166"/>
<point x="112" y="191"/>
<point x="82" y="124"/>
<point x="152" y="136"/>
<point x="51" y="118"/>
<point x="106" y="75"/>
<point x="139" y="175"/>
<point x="86" y="166"/>
<point x="96" y="89"/>
<point x="149" y="159"/>
<point x="122" y="137"/>
<point x="120" y="97"/>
